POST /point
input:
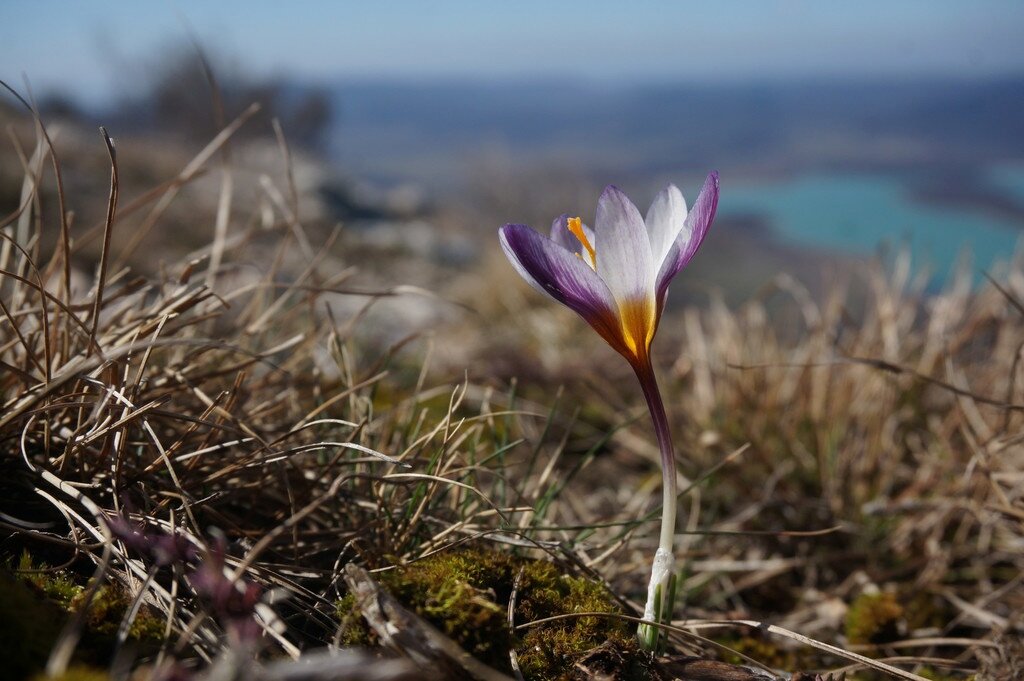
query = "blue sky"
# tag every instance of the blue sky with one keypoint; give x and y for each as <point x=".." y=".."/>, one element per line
<point x="96" y="48"/>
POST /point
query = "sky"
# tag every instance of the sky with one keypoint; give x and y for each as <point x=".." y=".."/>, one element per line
<point x="95" y="49"/>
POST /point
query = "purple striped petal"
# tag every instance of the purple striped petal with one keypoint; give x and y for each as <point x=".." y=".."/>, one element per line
<point x="559" y="273"/>
<point x="695" y="228"/>
<point x="561" y="235"/>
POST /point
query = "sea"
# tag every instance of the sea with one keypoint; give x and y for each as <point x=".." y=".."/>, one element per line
<point x="877" y="214"/>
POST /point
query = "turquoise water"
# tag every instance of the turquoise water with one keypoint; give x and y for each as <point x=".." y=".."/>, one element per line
<point x="858" y="214"/>
<point x="1009" y="178"/>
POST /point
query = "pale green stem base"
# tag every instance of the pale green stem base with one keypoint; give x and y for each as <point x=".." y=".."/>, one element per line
<point x="661" y="591"/>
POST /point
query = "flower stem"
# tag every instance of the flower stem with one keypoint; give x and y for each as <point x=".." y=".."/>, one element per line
<point x="661" y="590"/>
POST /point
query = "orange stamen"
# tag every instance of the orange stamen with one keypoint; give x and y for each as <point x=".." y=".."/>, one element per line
<point x="576" y="227"/>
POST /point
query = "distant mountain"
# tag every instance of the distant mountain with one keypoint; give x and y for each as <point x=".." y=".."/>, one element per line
<point x="428" y="131"/>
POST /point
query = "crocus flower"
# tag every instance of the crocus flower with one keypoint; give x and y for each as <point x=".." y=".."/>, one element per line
<point x="616" y="276"/>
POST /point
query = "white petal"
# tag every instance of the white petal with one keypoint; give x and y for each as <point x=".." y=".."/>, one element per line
<point x="624" y="263"/>
<point x="681" y="251"/>
<point x="665" y="220"/>
<point x="624" y="259"/>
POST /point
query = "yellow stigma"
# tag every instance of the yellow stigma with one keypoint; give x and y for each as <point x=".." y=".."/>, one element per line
<point x="576" y="227"/>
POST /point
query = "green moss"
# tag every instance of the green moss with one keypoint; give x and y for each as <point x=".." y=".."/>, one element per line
<point x="76" y="674"/>
<point x="354" y="631"/>
<point x="767" y="652"/>
<point x="465" y="594"/>
<point x="29" y="625"/>
<point x="106" y="610"/>
<point x="55" y="585"/>
<point x="35" y="604"/>
<point x="925" y="610"/>
<point x="941" y="675"/>
<point x="756" y="648"/>
<point x="549" y="651"/>
<point x="874" y="618"/>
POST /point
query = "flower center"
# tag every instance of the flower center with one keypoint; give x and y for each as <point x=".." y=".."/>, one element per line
<point x="576" y="227"/>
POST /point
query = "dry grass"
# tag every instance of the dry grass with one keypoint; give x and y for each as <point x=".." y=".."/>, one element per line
<point x="228" y="398"/>
<point x="829" y="455"/>
<point x="872" y="446"/>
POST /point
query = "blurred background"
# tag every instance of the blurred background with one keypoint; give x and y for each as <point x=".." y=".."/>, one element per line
<point x="841" y="130"/>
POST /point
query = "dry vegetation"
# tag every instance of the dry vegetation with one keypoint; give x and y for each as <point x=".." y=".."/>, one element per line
<point x="191" y="460"/>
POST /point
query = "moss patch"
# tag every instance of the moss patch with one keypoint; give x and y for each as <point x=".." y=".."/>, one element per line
<point x="35" y="602"/>
<point x="771" y="652"/>
<point x="29" y="625"/>
<point x="76" y="674"/>
<point x="942" y="675"/>
<point x="466" y="593"/>
<point x="874" y="618"/>
<point x="106" y="610"/>
<point x="54" y="585"/>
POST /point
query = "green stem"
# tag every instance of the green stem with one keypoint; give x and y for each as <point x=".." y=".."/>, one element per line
<point x="661" y="588"/>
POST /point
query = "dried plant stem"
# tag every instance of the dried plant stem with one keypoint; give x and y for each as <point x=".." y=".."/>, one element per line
<point x="661" y="590"/>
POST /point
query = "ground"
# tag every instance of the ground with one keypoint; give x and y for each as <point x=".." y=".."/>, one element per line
<point x="196" y="448"/>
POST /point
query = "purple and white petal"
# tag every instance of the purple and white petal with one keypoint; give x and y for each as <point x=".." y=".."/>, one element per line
<point x="561" y="235"/>
<point x="690" y="237"/>
<point x="665" y="219"/>
<point x="624" y="259"/>
<point x="557" y="272"/>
